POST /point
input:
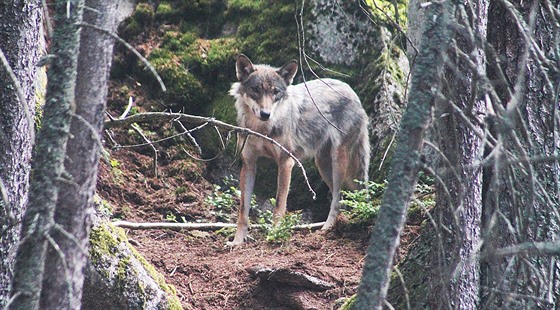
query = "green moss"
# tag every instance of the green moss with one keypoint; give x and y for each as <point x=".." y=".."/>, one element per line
<point x="142" y="17"/>
<point x="212" y="60"/>
<point x="105" y="239"/>
<point x="223" y="108"/>
<point x="270" y="34"/>
<point x="184" y="90"/>
<point x="166" y="12"/>
<point x="176" y="41"/>
<point x="241" y="7"/>
<point x="349" y="303"/>
<point x="122" y="270"/>
<point x="193" y="70"/>
<point x="389" y="12"/>
<point x="173" y="301"/>
<point x="144" y="14"/>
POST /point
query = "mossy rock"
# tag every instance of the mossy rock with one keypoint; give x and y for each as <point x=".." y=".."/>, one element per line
<point x="176" y="41"/>
<point x="205" y="17"/>
<point x="118" y="277"/>
<point x="142" y="17"/>
<point x="167" y="12"/>
<point x="184" y="92"/>
<point x="212" y="60"/>
<point x="194" y="70"/>
<point x="223" y="108"/>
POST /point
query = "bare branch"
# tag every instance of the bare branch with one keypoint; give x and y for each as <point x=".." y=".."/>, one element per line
<point x="131" y="48"/>
<point x="20" y="94"/>
<point x="162" y="116"/>
<point x="539" y="248"/>
<point x="139" y="131"/>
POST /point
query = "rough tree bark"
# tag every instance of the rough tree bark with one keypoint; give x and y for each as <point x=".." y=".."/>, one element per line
<point x="48" y="164"/>
<point x="406" y="160"/>
<point x="458" y="135"/>
<point x="522" y="196"/>
<point x="20" y="24"/>
<point x="74" y="207"/>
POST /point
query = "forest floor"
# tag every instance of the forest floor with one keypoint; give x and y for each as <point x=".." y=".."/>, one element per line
<point x="206" y="273"/>
<point x="209" y="275"/>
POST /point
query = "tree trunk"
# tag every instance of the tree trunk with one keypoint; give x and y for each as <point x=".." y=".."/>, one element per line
<point x="522" y="195"/>
<point x="406" y="160"/>
<point x="459" y="194"/>
<point x="48" y="164"/>
<point x="20" y="24"/>
<point x="74" y="207"/>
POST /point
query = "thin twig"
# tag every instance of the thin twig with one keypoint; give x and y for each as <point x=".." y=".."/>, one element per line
<point x="158" y="116"/>
<point x="131" y="48"/>
<point x="20" y="94"/>
<point x="139" y="131"/>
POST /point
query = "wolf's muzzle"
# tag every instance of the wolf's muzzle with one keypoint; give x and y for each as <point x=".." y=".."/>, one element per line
<point x="265" y="115"/>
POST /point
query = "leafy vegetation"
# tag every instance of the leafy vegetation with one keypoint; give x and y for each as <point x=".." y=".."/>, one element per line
<point x="224" y="200"/>
<point x="363" y="204"/>
<point x="282" y="231"/>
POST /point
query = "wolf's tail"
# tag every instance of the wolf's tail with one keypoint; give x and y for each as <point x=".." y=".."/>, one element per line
<point x="359" y="163"/>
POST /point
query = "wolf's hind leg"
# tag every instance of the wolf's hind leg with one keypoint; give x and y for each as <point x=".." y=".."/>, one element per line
<point x="324" y="165"/>
<point x="340" y="165"/>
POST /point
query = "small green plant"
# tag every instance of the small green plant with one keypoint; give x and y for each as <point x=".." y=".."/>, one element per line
<point x="224" y="200"/>
<point x="180" y="190"/>
<point x="170" y="217"/>
<point x="116" y="172"/>
<point x="283" y="230"/>
<point x="363" y="204"/>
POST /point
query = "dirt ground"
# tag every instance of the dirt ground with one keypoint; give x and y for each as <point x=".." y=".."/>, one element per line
<point x="209" y="275"/>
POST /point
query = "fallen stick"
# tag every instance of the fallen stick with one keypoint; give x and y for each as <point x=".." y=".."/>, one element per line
<point x="200" y="226"/>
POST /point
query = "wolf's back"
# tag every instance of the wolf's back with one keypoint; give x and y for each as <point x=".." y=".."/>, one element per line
<point x="330" y="113"/>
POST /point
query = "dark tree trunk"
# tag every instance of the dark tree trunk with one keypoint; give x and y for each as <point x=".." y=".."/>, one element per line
<point x="48" y="164"/>
<point x="406" y="160"/>
<point x="74" y="207"/>
<point x="522" y="196"/>
<point x="458" y="136"/>
<point x="20" y="24"/>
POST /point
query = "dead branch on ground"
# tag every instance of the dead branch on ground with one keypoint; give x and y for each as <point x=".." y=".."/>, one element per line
<point x="201" y="226"/>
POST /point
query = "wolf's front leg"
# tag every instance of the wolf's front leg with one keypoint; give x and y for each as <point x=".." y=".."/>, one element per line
<point x="246" y="183"/>
<point x="285" y="165"/>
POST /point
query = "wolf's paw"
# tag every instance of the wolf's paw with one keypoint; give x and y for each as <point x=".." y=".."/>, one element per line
<point x="236" y="242"/>
<point x="232" y="244"/>
<point x="328" y="225"/>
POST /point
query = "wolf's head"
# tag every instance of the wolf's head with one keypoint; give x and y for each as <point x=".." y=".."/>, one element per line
<point x="263" y="87"/>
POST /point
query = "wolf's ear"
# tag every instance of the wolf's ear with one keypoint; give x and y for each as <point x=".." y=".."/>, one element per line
<point x="288" y="71"/>
<point x="243" y="67"/>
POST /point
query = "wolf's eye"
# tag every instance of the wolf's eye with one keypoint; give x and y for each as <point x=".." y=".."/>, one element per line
<point x="275" y="91"/>
<point x="255" y="89"/>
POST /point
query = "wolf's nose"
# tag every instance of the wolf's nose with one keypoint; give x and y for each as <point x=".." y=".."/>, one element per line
<point x="265" y="115"/>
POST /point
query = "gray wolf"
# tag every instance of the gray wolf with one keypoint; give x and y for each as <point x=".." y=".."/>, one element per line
<point x="267" y="103"/>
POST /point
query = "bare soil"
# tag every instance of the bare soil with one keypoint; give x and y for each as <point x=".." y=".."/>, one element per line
<point x="209" y="275"/>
